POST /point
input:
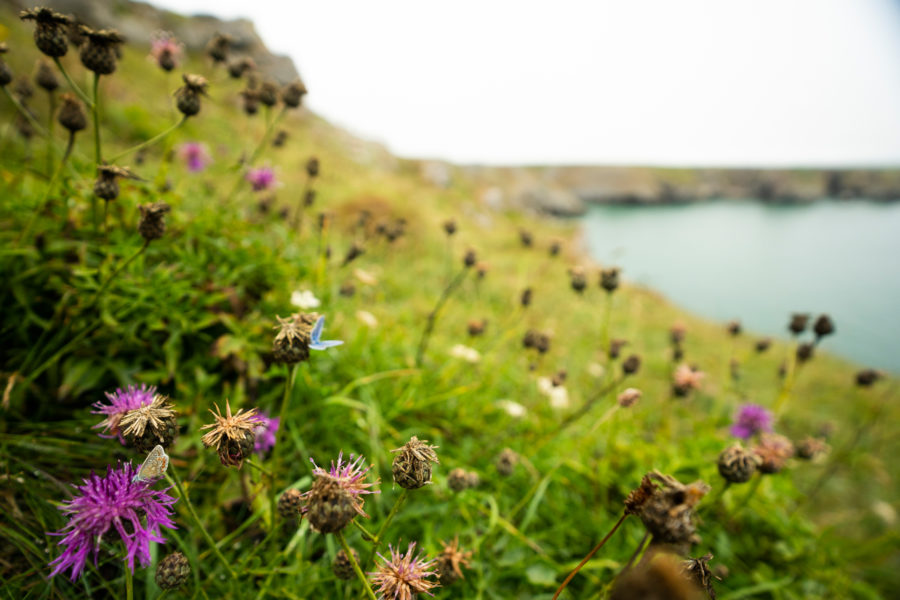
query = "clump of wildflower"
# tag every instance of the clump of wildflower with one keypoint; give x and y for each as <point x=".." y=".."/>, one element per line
<point x="136" y="512"/>
<point x="232" y="435"/>
<point x="187" y="97"/>
<point x="195" y="156"/>
<point x="351" y="476"/>
<point x="686" y="379"/>
<point x="172" y="571"/>
<point x="101" y="50"/>
<point x="165" y="50"/>
<point x="737" y="464"/>
<point x="342" y="567"/>
<point x="290" y="503"/>
<point x="404" y="576"/>
<point x="450" y="562"/>
<point x="265" y="432"/>
<point x="668" y="513"/>
<point x="50" y="30"/>
<point x="751" y="420"/>
<point x="412" y="465"/>
<point x="261" y="178"/>
<point x="506" y="461"/>
<point x="150" y="424"/>
<point x="152" y="225"/>
<point x="120" y="402"/>
<point x="629" y="397"/>
<point x="774" y="450"/>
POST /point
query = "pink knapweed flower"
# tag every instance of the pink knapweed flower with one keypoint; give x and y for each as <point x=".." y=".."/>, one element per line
<point x="195" y="156"/>
<point x="120" y="402"/>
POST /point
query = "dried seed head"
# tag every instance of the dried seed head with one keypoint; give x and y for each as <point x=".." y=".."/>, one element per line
<point x="292" y="94"/>
<point x="172" y="571"/>
<point x="798" y="323"/>
<point x="412" y="465"/>
<point x="609" y="279"/>
<point x="629" y="397"/>
<point x="329" y="506"/>
<point x="631" y="365"/>
<point x="449" y="226"/>
<point x="458" y="479"/>
<point x="289" y="503"/>
<point x="686" y="379"/>
<point x="526" y="238"/>
<point x="470" y="258"/>
<point x="774" y="450"/>
<point x="268" y="94"/>
<point x="811" y="448"/>
<point x="50" y="30"/>
<point x="526" y="297"/>
<point x="763" y="345"/>
<point x="292" y="341"/>
<point x="187" y="97"/>
<point x="348" y="289"/>
<point x="250" y="99"/>
<point x="472" y="479"/>
<point x="152" y="225"/>
<point x="239" y="66"/>
<point x="403" y="576"/>
<point x="23" y="90"/>
<point x="23" y="126"/>
<point x="6" y="74"/>
<point x="733" y="328"/>
<point x="450" y="562"/>
<point x="45" y="76"/>
<point x="555" y="248"/>
<point x="312" y="166"/>
<point x="867" y="377"/>
<point x="355" y="251"/>
<point x="107" y="185"/>
<point x="506" y="462"/>
<point x="280" y="138"/>
<point x="232" y="435"/>
<point x="578" y="279"/>
<point x="615" y="348"/>
<point x="698" y="571"/>
<point x="737" y="464"/>
<point x="100" y="51"/>
<point x="823" y="326"/>
<point x="668" y="513"/>
<point x="342" y="567"/>
<point x="217" y="48"/>
<point x="677" y="333"/>
<point x="150" y="425"/>
<point x="805" y="352"/>
<point x="638" y="497"/>
<point x="658" y="577"/>
<point x="71" y="113"/>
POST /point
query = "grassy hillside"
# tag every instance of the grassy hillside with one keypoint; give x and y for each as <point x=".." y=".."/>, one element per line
<point x="86" y="311"/>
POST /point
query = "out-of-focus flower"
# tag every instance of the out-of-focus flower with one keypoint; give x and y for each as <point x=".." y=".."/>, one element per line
<point x="404" y="576"/>
<point x="165" y="50"/>
<point x="629" y="397"/>
<point x="115" y="501"/>
<point x="365" y="277"/>
<point x="465" y="353"/>
<point x="351" y="476"/>
<point x="367" y="318"/>
<point x="686" y="379"/>
<point x="195" y="156"/>
<point x="261" y="178"/>
<point x="774" y="450"/>
<point x="596" y="370"/>
<point x="120" y="402"/>
<point x="751" y="420"/>
<point x="305" y="300"/>
<point x="558" y="395"/>
<point x="512" y="408"/>
<point x="265" y="432"/>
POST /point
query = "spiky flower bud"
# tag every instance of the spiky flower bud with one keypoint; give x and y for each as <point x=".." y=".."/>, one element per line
<point x="450" y="561"/>
<point x="329" y="505"/>
<point x="609" y="279"/>
<point x="289" y="503"/>
<point x="412" y="465"/>
<point x="823" y="326"/>
<point x="217" y="48"/>
<point x="172" y="571"/>
<point x="150" y="425"/>
<point x="798" y="323"/>
<point x="292" y="94"/>
<point x="152" y="225"/>
<point x="631" y="365"/>
<point x="737" y="464"/>
<point x="50" y="30"/>
<point x="458" y="479"/>
<point x="187" y="97"/>
<point x="506" y="462"/>
<point x="101" y="50"/>
<point x="342" y="567"/>
<point x="312" y="166"/>
<point x="45" y="76"/>
<point x="232" y="435"/>
<point x="291" y="343"/>
<point x="107" y="184"/>
<point x="71" y="113"/>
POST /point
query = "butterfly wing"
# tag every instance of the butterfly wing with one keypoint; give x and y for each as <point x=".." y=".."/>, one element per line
<point x="323" y="344"/>
<point x="154" y="466"/>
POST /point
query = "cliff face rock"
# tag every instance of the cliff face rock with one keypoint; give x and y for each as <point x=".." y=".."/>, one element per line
<point x="137" y="21"/>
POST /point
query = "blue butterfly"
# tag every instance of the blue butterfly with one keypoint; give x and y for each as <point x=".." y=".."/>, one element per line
<point x="315" y="341"/>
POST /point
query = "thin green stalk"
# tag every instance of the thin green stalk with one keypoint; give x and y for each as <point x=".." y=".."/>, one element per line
<point x="637" y="552"/>
<point x="50" y="121"/>
<point x="589" y="556"/>
<point x="172" y="477"/>
<point x="129" y="584"/>
<point x="119" y="269"/>
<point x="380" y="535"/>
<point x="432" y="316"/>
<point x="750" y="493"/>
<point x="159" y="136"/>
<point x="359" y="574"/>
<point x="607" y="314"/>
<point x="24" y="111"/>
<point x="95" y="110"/>
<point x="75" y="88"/>
<point x="367" y="535"/>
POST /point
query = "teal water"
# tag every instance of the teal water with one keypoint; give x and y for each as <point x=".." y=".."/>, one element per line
<point x="758" y="263"/>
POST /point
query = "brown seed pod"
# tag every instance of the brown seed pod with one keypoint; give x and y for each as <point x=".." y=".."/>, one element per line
<point x="342" y="567"/>
<point x="412" y="465"/>
<point x="289" y="503"/>
<point x="737" y="464"/>
<point x="329" y="505"/>
<point x="100" y="52"/>
<point x="187" y="97"/>
<point x="50" y="30"/>
<point x="152" y="225"/>
<point x="292" y="94"/>
<point x="172" y="571"/>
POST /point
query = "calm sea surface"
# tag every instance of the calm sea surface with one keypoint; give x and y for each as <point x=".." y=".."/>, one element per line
<point x="759" y="263"/>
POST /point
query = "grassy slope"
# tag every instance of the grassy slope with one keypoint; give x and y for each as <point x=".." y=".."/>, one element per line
<point x="194" y="316"/>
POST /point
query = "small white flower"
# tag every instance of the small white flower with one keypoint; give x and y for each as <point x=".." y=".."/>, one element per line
<point x="559" y="396"/>
<point x="365" y="277"/>
<point x="305" y="300"/>
<point x="595" y="370"/>
<point x="367" y="318"/>
<point x="464" y="352"/>
<point x="513" y="409"/>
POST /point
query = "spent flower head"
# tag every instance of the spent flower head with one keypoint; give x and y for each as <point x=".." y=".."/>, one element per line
<point x="751" y="420"/>
<point x="412" y="465"/>
<point x="120" y="402"/>
<point x="232" y="434"/>
<point x="150" y="424"/>
<point x="404" y="576"/>
<point x="351" y="475"/>
<point x="136" y="512"/>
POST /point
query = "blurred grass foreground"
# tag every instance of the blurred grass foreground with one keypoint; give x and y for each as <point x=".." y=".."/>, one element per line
<point x="245" y="355"/>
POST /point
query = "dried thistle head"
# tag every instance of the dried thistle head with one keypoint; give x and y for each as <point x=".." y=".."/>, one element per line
<point x="45" y="76"/>
<point x="329" y="505"/>
<point x="152" y="225"/>
<point x="232" y="434"/>
<point x="737" y="464"/>
<point x="403" y="576"/>
<point x="658" y="577"/>
<point x="292" y="94"/>
<point x="151" y="424"/>
<point x="698" y="571"/>
<point x="639" y="496"/>
<point x="101" y="50"/>
<point x="774" y="450"/>
<point x="668" y="513"/>
<point x="450" y="562"/>
<point x="187" y="97"/>
<point x="71" y="114"/>
<point x="609" y="279"/>
<point x="218" y="47"/>
<point x="291" y="344"/>
<point x="50" y="31"/>
<point x="412" y="465"/>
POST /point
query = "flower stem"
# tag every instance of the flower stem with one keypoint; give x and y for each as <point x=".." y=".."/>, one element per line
<point x="119" y="269"/>
<point x="432" y="317"/>
<point x="129" y="584"/>
<point x="367" y="535"/>
<point x="75" y="88"/>
<point x="25" y="113"/>
<point x="588" y="557"/>
<point x="150" y="142"/>
<point x="380" y="535"/>
<point x="95" y="110"/>
<point x="359" y="574"/>
<point x="52" y="102"/>
<point x="174" y="479"/>
<point x="637" y="552"/>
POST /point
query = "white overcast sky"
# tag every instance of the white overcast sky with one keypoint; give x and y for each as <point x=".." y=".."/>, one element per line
<point x="673" y="82"/>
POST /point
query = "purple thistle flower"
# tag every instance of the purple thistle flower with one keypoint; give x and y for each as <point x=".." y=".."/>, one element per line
<point x="195" y="155"/>
<point x="261" y="178"/>
<point x="265" y="432"/>
<point x="136" y="511"/>
<point x="751" y="420"/>
<point x="120" y="402"/>
<point x="404" y="576"/>
<point x="350" y="475"/>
